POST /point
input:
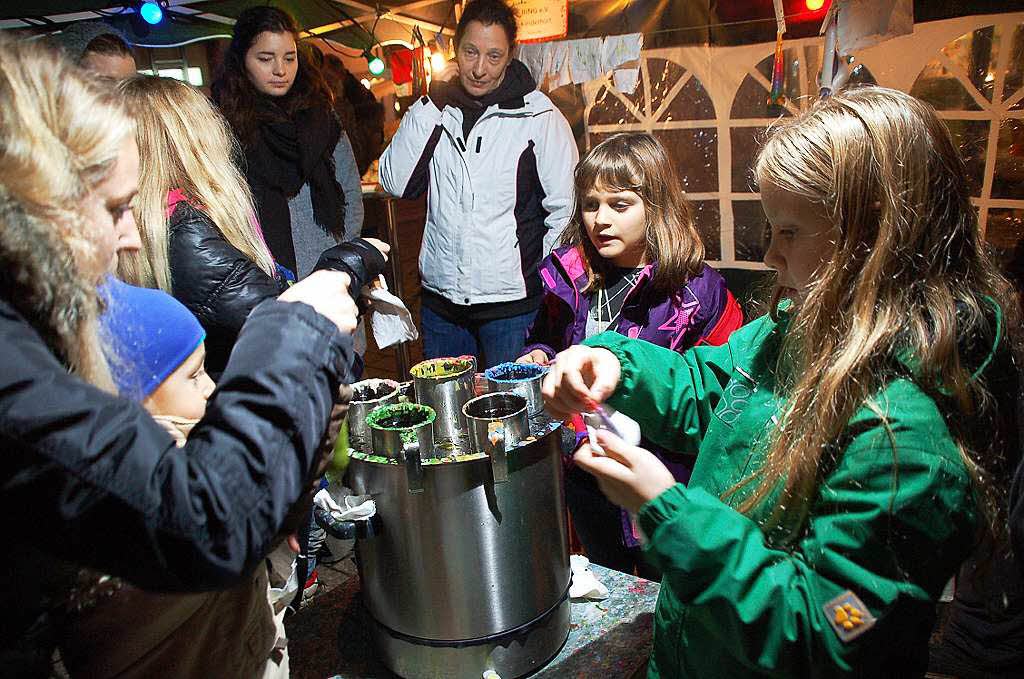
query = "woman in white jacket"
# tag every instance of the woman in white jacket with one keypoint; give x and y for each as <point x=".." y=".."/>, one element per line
<point x="495" y="158"/>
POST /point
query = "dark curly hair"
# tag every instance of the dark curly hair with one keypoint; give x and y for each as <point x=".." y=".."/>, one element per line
<point x="233" y="91"/>
<point x="488" y="12"/>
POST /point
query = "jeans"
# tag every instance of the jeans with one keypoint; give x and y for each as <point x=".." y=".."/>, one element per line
<point x="598" y="525"/>
<point x="492" y="342"/>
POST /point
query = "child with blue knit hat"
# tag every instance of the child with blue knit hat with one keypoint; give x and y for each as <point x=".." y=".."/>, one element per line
<point x="157" y="351"/>
<point x="156" y="356"/>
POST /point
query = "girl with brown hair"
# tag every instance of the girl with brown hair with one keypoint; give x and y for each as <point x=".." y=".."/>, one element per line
<point x="632" y="262"/>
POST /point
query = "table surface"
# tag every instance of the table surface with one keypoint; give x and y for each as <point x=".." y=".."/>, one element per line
<point x="608" y="639"/>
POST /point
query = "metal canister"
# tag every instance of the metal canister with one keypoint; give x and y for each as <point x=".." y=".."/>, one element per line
<point x="524" y="379"/>
<point x="470" y="574"/>
<point x="403" y="432"/>
<point x="497" y="422"/>
<point x="445" y="384"/>
<point x="367" y="396"/>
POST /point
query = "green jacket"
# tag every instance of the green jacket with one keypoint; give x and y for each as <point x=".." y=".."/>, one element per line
<point x="891" y="527"/>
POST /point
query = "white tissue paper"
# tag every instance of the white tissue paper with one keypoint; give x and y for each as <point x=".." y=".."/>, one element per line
<point x="279" y="597"/>
<point x="353" y="507"/>
<point x="390" y="320"/>
<point x="628" y="428"/>
<point x="585" y="584"/>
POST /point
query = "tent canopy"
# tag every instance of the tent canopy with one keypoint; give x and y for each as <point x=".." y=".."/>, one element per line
<point x="359" y="25"/>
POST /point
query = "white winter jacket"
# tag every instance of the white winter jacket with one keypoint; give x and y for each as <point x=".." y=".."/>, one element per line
<point x="496" y="202"/>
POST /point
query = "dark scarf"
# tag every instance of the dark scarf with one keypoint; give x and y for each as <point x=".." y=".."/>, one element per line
<point x="516" y="84"/>
<point x="285" y="153"/>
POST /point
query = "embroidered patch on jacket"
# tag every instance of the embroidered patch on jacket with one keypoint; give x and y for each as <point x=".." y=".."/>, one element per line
<point x="848" y="616"/>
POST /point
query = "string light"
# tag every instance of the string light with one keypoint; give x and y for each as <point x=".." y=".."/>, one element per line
<point x="151" y="13"/>
<point x="437" y="62"/>
<point x="374" y="63"/>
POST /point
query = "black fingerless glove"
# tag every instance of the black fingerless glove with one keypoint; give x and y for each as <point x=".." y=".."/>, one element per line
<point x="360" y="260"/>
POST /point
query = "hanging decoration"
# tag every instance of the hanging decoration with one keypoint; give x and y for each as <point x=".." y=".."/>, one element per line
<point x="830" y="59"/>
<point x="401" y="66"/>
<point x="777" y="93"/>
<point x="419" y="66"/>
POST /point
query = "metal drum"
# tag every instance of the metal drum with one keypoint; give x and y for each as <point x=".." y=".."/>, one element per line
<point x="472" y="573"/>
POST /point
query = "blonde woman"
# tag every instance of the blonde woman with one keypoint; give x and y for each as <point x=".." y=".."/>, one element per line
<point x="200" y="238"/>
<point x="853" y="445"/>
<point x="90" y="479"/>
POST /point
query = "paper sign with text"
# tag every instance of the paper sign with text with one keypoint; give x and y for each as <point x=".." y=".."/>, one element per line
<point x="540" y="20"/>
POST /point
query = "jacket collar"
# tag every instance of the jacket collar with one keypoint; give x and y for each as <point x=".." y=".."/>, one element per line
<point x="569" y="262"/>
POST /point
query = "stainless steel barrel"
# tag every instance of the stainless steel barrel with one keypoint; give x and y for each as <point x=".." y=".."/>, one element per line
<point x="468" y="560"/>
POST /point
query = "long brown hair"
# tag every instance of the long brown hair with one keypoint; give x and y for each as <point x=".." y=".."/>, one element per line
<point x="238" y="99"/>
<point x="185" y="144"/>
<point x="60" y="135"/>
<point x="904" y="291"/>
<point x="636" y="161"/>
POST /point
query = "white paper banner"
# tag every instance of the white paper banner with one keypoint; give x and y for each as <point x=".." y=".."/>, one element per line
<point x="619" y="49"/>
<point x="625" y="79"/>
<point x="578" y="61"/>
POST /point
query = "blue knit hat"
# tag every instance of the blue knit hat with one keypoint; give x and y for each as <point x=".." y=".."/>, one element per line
<point x="149" y="334"/>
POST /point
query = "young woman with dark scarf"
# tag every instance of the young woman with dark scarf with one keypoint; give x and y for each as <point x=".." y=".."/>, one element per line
<point x="298" y="159"/>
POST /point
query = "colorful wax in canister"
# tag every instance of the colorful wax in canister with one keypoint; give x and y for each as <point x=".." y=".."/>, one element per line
<point x="777" y="96"/>
<point x="438" y="368"/>
<point x="400" y="416"/>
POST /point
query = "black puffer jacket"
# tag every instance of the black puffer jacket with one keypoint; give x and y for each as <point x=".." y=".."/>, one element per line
<point x="220" y="285"/>
<point x="90" y="479"/>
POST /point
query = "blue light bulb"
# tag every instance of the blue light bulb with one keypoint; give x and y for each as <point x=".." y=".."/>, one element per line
<point x="376" y="65"/>
<point x="151" y="13"/>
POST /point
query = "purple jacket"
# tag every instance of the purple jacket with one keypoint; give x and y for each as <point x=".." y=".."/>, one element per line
<point x="703" y="311"/>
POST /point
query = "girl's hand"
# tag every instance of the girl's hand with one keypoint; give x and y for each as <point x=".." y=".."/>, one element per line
<point x="380" y="245"/>
<point x="536" y="356"/>
<point x="327" y="292"/>
<point x="579" y="377"/>
<point x="628" y="475"/>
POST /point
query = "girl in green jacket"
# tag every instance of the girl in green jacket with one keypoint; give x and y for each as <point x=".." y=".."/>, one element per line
<point x="850" y="445"/>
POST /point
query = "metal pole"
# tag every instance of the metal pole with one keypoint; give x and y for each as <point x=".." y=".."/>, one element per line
<point x="395" y="268"/>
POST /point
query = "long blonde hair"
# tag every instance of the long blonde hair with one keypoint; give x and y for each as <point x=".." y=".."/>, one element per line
<point x="636" y="161"/>
<point x="185" y="144"/>
<point x="60" y="136"/>
<point x="901" y="294"/>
